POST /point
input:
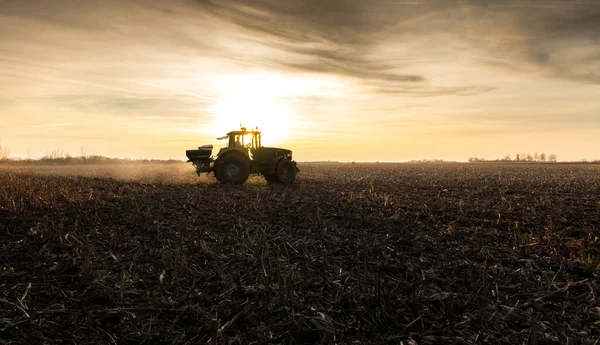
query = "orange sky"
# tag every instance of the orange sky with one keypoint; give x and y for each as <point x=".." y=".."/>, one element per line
<point x="341" y="80"/>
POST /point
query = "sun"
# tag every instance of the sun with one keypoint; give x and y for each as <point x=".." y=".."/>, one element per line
<point x="261" y="101"/>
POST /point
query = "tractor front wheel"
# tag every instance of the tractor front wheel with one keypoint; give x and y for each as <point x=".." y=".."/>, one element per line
<point x="232" y="169"/>
<point x="285" y="172"/>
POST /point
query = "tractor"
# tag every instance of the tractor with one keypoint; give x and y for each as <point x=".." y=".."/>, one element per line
<point x="244" y="155"/>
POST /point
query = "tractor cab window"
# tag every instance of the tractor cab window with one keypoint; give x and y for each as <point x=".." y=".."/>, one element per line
<point x="238" y="141"/>
<point x="243" y="140"/>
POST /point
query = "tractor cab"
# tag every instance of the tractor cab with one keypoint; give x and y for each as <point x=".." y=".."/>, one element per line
<point x="249" y="141"/>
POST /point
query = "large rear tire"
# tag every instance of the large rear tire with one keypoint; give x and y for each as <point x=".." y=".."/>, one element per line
<point x="285" y="172"/>
<point x="232" y="169"/>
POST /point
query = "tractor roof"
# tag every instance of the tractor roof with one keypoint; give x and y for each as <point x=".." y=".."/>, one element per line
<point x="242" y="132"/>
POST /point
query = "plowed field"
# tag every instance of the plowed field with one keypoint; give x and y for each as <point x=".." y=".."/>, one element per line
<point x="349" y="254"/>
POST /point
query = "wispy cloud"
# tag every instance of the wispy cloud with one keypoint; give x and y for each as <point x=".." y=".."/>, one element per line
<point x="46" y="125"/>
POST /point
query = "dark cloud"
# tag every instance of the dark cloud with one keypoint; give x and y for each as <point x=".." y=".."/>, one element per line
<point x="335" y="37"/>
<point x="340" y="22"/>
<point x="559" y="39"/>
<point x="342" y="37"/>
<point x="97" y="27"/>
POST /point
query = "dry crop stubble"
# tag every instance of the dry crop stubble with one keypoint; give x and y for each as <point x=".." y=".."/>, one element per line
<point x="367" y="253"/>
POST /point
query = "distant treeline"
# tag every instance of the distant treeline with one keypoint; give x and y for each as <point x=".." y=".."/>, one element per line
<point x="317" y="162"/>
<point x="528" y="157"/>
<point x="520" y="157"/>
<point x="429" y="161"/>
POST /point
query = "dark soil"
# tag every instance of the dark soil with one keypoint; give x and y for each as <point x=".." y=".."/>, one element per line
<point x="350" y="254"/>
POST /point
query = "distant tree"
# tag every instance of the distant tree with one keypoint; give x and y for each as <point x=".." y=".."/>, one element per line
<point x="518" y="157"/>
<point x="529" y="157"/>
<point x="507" y="158"/>
<point x="4" y="153"/>
<point x="84" y="154"/>
<point x="536" y="157"/>
<point x="55" y="154"/>
<point x="542" y="157"/>
<point x="552" y="158"/>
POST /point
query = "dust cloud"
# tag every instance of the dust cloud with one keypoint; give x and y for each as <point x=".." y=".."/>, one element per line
<point x="176" y="173"/>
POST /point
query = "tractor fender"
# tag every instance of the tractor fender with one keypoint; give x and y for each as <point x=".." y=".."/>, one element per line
<point x="228" y="150"/>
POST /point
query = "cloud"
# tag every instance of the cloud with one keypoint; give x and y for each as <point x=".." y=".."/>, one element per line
<point x="555" y="39"/>
<point x="432" y="91"/>
<point x="157" y="107"/>
<point x="346" y="37"/>
<point x="46" y="125"/>
<point x="332" y="37"/>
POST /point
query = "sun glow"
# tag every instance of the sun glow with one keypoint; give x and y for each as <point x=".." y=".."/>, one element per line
<point x="260" y="100"/>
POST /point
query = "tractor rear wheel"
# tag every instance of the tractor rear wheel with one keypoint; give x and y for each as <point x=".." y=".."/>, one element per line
<point x="285" y="172"/>
<point x="232" y="169"/>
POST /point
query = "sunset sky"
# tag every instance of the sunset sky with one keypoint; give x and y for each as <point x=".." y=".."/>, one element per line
<point x="385" y="80"/>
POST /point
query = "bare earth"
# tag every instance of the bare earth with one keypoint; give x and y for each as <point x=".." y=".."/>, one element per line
<point x="349" y="254"/>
